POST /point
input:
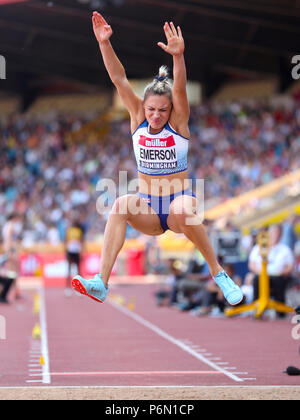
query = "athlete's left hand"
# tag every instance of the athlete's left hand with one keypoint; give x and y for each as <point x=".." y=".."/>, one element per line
<point x="175" y="40"/>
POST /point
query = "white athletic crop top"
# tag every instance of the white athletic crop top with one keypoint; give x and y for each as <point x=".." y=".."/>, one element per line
<point x="162" y="153"/>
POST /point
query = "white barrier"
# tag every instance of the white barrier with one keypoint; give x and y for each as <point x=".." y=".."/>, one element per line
<point x="2" y="328"/>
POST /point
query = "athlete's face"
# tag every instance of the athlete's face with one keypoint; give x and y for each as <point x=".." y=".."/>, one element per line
<point x="157" y="111"/>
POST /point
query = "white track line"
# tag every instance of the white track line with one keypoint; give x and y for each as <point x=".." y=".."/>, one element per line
<point x="173" y="340"/>
<point x="263" y="387"/>
<point x="44" y="340"/>
<point x="134" y="373"/>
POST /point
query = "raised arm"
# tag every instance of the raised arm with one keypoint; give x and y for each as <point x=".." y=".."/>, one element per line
<point x="175" y="47"/>
<point x="115" y="69"/>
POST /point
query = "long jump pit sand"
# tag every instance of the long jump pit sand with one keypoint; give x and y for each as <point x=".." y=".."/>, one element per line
<point x="152" y="393"/>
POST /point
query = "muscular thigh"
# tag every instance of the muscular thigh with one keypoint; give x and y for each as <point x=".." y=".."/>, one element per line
<point x="141" y="216"/>
<point x="182" y="208"/>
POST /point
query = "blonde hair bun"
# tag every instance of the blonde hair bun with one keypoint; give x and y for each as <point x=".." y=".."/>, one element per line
<point x="160" y="85"/>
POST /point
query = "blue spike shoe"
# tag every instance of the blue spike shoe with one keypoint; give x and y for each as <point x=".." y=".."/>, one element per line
<point x="94" y="288"/>
<point x="231" y="291"/>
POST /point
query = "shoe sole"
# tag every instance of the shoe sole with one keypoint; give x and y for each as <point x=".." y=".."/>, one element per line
<point x="234" y="304"/>
<point x="79" y="287"/>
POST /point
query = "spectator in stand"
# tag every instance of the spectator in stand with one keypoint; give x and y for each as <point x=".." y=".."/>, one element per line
<point x="289" y="236"/>
<point x="279" y="268"/>
<point x="53" y="236"/>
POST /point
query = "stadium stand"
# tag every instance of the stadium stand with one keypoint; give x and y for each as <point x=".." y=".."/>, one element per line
<point x="52" y="161"/>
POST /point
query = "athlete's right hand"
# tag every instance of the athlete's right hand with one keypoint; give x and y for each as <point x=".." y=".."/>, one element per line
<point x="101" y="28"/>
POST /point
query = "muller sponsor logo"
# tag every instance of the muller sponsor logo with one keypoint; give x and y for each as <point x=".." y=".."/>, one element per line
<point x="147" y="142"/>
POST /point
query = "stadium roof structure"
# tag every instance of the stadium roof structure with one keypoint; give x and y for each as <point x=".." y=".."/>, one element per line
<point x="49" y="45"/>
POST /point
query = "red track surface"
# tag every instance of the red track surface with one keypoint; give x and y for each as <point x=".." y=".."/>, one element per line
<point x="111" y="345"/>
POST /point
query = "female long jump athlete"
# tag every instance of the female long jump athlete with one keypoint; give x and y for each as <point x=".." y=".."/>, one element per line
<point x="159" y="123"/>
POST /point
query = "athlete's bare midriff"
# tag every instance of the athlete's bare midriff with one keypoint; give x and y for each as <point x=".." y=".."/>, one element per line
<point x="163" y="185"/>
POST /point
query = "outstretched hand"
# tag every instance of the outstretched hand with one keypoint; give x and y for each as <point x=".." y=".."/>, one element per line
<point x="175" y="40"/>
<point x="102" y="29"/>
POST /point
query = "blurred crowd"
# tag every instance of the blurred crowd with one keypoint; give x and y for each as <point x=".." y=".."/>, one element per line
<point x="236" y="148"/>
<point x="47" y="179"/>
